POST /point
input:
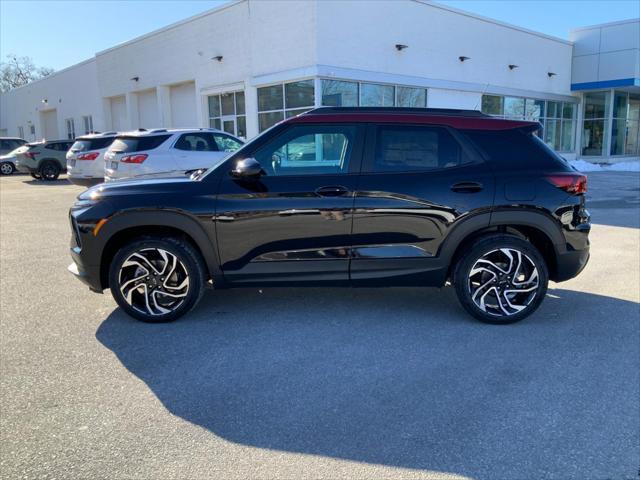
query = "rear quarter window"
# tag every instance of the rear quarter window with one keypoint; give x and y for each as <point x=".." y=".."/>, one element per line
<point x="514" y="149"/>
<point x="137" y="144"/>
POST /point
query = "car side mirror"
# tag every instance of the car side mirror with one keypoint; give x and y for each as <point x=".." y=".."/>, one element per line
<point x="249" y="167"/>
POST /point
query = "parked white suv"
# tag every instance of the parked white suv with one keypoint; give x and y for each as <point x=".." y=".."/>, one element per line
<point x="85" y="158"/>
<point x="162" y="152"/>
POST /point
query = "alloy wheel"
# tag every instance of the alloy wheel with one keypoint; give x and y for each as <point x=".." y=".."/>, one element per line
<point x="153" y="281"/>
<point x="503" y="282"/>
<point x="6" y="169"/>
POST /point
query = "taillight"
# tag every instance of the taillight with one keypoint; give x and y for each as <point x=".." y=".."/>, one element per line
<point x="139" y="158"/>
<point x="31" y="155"/>
<point x="572" y="183"/>
<point x="88" y="156"/>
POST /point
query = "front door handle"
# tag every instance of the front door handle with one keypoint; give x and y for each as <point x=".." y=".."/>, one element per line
<point x="332" y="191"/>
<point x="467" y="187"/>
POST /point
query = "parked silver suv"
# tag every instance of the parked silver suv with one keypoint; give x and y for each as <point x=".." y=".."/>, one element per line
<point x="44" y="160"/>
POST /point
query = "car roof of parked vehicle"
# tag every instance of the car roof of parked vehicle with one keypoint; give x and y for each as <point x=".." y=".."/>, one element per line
<point x="141" y="132"/>
<point x="89" y="136"/>
<point x="11" y="138"/>
<point x="461" y="119"/>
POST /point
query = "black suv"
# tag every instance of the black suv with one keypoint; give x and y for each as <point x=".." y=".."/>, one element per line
<point x="347" y="196"/>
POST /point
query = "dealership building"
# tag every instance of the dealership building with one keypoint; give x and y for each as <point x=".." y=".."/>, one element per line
<point x="248" y="64"/>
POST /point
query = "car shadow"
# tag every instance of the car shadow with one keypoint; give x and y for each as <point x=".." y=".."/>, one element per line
<point x="399" y="377"/>
<point x="38" y="183"/>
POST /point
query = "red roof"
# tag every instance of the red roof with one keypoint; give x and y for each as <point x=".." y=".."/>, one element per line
<point x="459" y="119"/>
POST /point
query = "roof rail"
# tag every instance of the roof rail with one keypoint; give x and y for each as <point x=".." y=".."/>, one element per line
<point x="449" y="112"/>
<point x="157" y="130"/>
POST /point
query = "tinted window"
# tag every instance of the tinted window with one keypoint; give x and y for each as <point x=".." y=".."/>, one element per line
<point x="197" y="142"/>
<point x="137" y="144"/>
<point x="4" y="144"/>
<point x="226" y="144"/>
<point x="91" y="144"/>
<point x="309" y="150"/>
<point x="514" y="148"/>
<point x="415" y="148"/>
<point x="60" y="146"/>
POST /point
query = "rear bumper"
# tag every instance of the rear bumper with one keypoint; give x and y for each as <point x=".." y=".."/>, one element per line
<point x="570" y="264"/>
<point x="85" y="181"/>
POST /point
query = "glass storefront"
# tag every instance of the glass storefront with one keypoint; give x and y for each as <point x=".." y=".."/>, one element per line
<point x="340" y="93"/>
<point x="284" y="100"/>
<point x="558" y="119"/>
<point x="624" y="128"/>
<point x="227" y="112"/>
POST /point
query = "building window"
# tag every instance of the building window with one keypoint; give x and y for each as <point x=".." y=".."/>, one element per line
<point x="626" y="119"/>
<point x="277" y="102"/>
<point x="595" y="124"/>
<point x="557" y="118"/>
<point x="227" y="113"/>
<point x="21" y="132"/>
<point x="87" y="123"/>
<point x="340" y="93"/>
<point x="71" y="128"/>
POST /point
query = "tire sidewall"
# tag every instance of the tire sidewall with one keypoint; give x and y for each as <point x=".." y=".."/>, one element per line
<point x="484" y="246"/>
<point x="56" y="168"/>
<point x="11" y="167"/>
<point x="184" y="252"/>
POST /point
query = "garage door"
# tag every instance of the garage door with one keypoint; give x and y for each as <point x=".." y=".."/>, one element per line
<point x="183" y="105"/>
<point x="49" y="122"/>
<point x="148" y="110"/>
<point x="118" y="114"/>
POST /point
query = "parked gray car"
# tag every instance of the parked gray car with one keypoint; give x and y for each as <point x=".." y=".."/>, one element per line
<point x="44" y="160"/>
<point x="8" y="145"/>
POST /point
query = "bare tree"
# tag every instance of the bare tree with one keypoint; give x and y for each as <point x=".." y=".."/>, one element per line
<point x="18" y="71"/>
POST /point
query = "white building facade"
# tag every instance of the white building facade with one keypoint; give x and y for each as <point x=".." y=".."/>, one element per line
<point x="240" y="69"/>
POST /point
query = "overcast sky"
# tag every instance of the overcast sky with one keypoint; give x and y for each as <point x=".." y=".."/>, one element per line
<point x="61" y="33"/>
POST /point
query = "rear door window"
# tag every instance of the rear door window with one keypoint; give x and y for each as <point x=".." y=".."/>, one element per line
<point x="197" y="142"/>
<point x="408" y="148"/>
<point x="137" y="144"/>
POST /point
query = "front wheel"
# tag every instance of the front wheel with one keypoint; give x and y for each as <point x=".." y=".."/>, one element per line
<point x="157" y="279"/>
<point x="7" y="168"/>
<point x="501" y="279"/>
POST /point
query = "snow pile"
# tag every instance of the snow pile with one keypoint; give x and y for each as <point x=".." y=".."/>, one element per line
<point x="581" y="165"/>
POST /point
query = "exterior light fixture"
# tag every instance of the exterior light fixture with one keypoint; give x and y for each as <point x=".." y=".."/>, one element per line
<point x="512" y="66"/>
<point x="135" y="79"/>
<point x="401" y="47"/>
<point x="44" y="100"/>
<point x="551" y="74"/>
<point x="463" y="58"/>
<point x="218" y="58"/>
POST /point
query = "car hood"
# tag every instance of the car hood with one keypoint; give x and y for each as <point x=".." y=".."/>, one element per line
<point x="172" y="185"/>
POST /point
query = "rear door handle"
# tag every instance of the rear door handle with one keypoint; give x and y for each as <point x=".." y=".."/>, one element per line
<point x="332" y="191"/>
<point x="467" y="187"/>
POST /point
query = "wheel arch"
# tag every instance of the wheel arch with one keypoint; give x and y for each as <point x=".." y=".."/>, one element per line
<point x="536" y="227"/>
<point x="124" y="227"/>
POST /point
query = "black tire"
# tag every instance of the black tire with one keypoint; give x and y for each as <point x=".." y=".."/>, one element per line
<point x="49" y="171"/>
<point x="495" y="286"/>
<point x="7" y="168"/>
<point x="35" y="175"/>
<point x="191" y="263"/>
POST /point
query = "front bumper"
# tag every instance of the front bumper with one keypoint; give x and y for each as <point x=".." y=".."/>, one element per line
<point x="87" y="274"/>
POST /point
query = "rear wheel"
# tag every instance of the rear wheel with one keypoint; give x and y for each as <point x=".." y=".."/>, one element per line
<point x="7" y="168"/>
<point x="157" y="279"/>
<point x="501" y="279"/>
<point x="49" y="171"/>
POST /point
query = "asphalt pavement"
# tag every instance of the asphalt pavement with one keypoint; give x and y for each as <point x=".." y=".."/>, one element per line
<point x="306" y="383"/>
